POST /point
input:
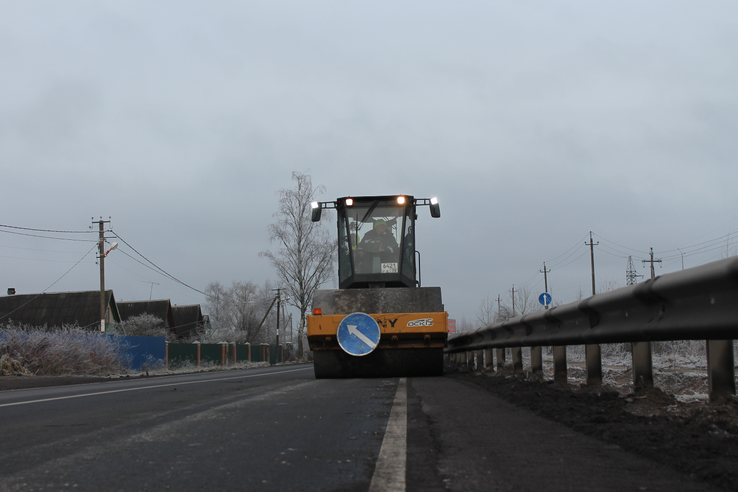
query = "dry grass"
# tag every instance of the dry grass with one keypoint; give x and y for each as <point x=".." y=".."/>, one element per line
<point x="57" y="351"/>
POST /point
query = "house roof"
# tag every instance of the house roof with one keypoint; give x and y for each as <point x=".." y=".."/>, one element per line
<point x="187" y="318"/>
<point x="57" y="309"/>
<point x="162" y="309"/>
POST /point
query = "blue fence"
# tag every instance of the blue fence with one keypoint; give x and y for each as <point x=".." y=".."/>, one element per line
<point x="138" y="352"/>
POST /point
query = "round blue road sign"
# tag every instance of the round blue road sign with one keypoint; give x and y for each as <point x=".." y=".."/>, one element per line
<point x="358" y="334"/>
<point x="545" y="298"/>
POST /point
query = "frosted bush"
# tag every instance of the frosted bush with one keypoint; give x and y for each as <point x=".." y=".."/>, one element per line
<point x="56" y="351"/>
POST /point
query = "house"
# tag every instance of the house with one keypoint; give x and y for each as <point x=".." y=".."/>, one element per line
<point x="59" y="309"/>
<point x="162" y="309"/>
<point x="188" y="320"/>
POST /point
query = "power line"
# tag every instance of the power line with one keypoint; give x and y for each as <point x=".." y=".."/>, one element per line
<point x="36" y="259"/>
<point x="576" y="246"/>
<point x="572" y="261"/>
<point x="41" y="250"/>
<point x="46" y="230"/>
<point x="50" y="237"/>
<point x="50" y="286"/>
<point x="159" y="269"/>
<point x="620" y="245"/>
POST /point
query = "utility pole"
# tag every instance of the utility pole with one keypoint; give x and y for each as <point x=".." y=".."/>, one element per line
<point x="545" y="280"/>
<point x="592" y="352"/>
<point x="642" y="356"/>
<point x="513" y="300"/>
<point x="653" y="272"/>
<point x="101" y="256"/>
<point x="591" y="245"/>
<point x="279" y="305"/>
<point x="545" y="277"/>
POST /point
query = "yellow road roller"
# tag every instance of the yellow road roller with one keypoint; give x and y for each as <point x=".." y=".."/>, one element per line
<point x="380" y="322"/>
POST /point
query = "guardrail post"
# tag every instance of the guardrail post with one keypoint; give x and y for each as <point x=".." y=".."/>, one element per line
<point x="500" y="359"/>
<point x="560" y="370"/>
<point x="720" y="368"/>
<point x="642" y="365"/>
<point x="517" y="357"/>
<point x="488" y="359"/>
<point x="536" y="360"/>
<point x="594" y="364"/>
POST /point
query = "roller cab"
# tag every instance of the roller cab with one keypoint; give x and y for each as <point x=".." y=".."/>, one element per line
<point x="380" y="322"/>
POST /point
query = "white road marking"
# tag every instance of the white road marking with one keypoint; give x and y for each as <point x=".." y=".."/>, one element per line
<point x="389" y="472"/>
<point x="353" y="331"/>
<point x="148" y="387"/>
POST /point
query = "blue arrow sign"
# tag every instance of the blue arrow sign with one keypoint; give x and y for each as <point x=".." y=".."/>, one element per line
<point x="358" y="334"/>
<point x="545" y="298"/>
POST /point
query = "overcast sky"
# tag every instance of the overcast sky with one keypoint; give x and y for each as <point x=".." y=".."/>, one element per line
<point x="533" y="123"/>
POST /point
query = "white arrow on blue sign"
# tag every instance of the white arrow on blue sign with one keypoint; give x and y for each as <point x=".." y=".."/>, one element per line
<point x="545" y="298"/>
<point x="358" y="334"/>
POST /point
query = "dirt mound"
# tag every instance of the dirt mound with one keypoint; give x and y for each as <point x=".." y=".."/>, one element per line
<point x="697" y="438"/>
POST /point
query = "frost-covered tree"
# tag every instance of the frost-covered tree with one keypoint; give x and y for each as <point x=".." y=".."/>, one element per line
<point x="304" y="253"/>
<point x="239" y="313"/>
<point x="145" y="325"/>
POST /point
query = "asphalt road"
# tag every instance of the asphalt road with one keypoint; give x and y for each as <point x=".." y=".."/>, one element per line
<point x="280" y="429"/>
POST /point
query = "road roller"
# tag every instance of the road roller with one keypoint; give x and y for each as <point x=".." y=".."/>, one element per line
<point x="380" y="322"/>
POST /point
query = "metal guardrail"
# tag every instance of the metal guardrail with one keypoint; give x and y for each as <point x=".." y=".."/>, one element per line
<point x="700" y="303"/>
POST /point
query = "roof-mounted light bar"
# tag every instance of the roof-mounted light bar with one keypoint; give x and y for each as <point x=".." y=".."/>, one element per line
<point x="402" y="200"/>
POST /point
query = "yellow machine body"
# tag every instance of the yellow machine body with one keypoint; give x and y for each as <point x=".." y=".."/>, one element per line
<point x="399" y="330"/>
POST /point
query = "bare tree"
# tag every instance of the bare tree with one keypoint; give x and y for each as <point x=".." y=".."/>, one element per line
<point x="216" y="303"/>
<point x="305" y="251"/>
<point x="464" y="326"/>
<point x="487" y="313"/>
<point x="237" y="312"/>
<point x="243" y="317"/>
<point x="525" y="303"/>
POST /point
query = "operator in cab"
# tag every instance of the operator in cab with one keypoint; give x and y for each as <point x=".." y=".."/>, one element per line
<point x="379" y="239"/>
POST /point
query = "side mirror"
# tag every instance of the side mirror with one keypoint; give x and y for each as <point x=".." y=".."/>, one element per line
<point x="435" y="208"/>
<point x="317" y="210"/>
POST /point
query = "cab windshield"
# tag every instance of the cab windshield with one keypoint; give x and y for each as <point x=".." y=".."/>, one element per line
<point x="377" y="240"/>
